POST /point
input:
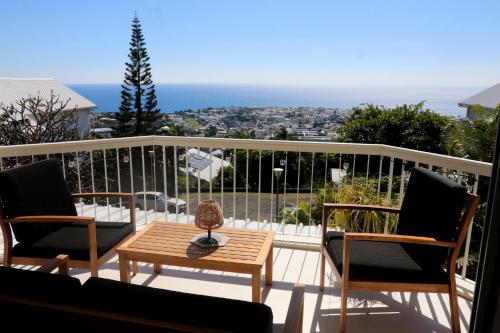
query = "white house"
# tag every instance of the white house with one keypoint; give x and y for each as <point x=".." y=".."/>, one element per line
<point x="204" y="165"/>
<point x="14" y="89"/>
<point x="489" y="99"/>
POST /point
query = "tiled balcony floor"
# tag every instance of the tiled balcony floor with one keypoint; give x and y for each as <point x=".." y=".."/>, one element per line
<point x="368" y="312"/>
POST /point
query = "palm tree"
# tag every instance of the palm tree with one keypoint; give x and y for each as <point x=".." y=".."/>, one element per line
<point x="473" y="139"/>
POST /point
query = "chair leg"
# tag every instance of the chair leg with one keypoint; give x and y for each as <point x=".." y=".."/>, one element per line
<point x="94" y="269"/>
<point x="454" y="310"/>
<point x="7" y="262"/>
<point x="322" y="273"/>
<point x="343" y="308"/>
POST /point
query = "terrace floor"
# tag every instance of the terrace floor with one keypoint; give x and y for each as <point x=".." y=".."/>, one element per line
<point x="368" y="312"/>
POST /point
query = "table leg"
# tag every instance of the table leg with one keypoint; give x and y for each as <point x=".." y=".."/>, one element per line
<point x="124" y="268"/>
<point x="269" y="267"/>
<point x="256" y="294"/>
<point x="157" y="268"/>
<point x="135" y="268"/>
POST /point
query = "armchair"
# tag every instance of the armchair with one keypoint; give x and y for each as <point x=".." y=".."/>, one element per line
<point x="433" y="222"/>
<point x="36" y="206"/>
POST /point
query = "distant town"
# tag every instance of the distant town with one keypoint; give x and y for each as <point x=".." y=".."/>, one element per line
<point x="300" y="123"/>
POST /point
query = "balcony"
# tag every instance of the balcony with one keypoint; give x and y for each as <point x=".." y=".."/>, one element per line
<point x="253" y="196"/>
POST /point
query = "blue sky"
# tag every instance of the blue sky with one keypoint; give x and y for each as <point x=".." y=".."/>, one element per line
<point x="309" y="43"/>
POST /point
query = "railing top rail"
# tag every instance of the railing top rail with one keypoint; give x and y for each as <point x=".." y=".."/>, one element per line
<point x="444" y="161"/>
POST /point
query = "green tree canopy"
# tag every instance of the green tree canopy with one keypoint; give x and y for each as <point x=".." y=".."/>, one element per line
<point x="409" y="126"/>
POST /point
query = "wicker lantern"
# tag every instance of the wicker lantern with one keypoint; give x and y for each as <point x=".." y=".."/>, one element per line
<point x="209" y="216"/>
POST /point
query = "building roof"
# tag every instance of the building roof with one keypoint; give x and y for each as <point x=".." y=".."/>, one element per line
<point x="13" y="89"/>
<point x="199" y="164"/>
<point x="488" y="98"/>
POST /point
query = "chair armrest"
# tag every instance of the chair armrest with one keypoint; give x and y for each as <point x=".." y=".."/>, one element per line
<point x="295" y="314"/>
<point x="61" y="262"/>
<point x="103" y="194"/>
<point x="53" y="218"/>
<point x="330" y="206"/>
<point x="353" y="236"/>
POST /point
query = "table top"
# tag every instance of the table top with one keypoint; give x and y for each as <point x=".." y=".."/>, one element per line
<point x="167" y="242"/>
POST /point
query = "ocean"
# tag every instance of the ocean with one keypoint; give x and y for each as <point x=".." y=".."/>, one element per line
<point x="177" y="97"/>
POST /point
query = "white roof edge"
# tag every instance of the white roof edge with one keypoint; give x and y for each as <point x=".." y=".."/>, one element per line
<point x="11" y="89"/>
<point x="487" y="98"/>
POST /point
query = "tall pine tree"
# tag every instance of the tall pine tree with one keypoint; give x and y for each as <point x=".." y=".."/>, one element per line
<point x="138" y="113"/>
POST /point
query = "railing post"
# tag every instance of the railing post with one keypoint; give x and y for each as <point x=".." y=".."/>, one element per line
<point x="145" y="207"/>
<point x="379" y="175"/>
<point x="402" y="182"/>
<point x="353" y="168"/>
<point x="106" y="182"/>
<point x="91" y="153"/>
<point x="63" y="165"/>
<point x="210" y="173"/>
<point x="246" y="190"/>
<point x="165" y="189"/>
<point x="367" y="169"/>
<point x="119" y="182"/>
<point x="176" y="186"/>
<point x="271" y="220"/>
<point x="199" y="179"/>
<point x="389" y="193"/>
<point x="222" y="183"/>
<point x="258" y="194"/>
<point x="283" y="222"/>
<point x="469" y="234"/>
<point x="186" y="158"/>
<point x="298" y="190"/>
<point x="234" y="188"/>
<point x="311" y="195"/>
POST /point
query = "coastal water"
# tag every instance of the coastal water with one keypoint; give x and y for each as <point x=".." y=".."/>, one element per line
<point x="176" y="97"/>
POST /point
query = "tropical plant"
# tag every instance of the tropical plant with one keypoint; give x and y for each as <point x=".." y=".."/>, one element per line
<point x="357" y="220"/>
<point x="291" y="214"/>
<point x="473" y="139"/>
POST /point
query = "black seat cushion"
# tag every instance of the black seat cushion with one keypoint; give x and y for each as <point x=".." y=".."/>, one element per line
<point x="176" y="307"/>
<point x="431" y="207"/>
<point x="73" y="240"/>
<point x="40" y="286"/>
<point x="35" y="189"/>
<point x="381" y="262"/>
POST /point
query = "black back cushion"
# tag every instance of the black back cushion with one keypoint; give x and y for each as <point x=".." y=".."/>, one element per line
<point x="177" y="307"/>
<point x="40" y="286"/>
<point x="432" y="207"/>
<point x="35" y="189"/>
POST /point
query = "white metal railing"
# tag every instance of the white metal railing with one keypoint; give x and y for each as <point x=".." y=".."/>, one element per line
<point x="158" y="163"/>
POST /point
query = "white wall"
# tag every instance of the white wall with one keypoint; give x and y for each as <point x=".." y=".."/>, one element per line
<point x="83" y="121"/>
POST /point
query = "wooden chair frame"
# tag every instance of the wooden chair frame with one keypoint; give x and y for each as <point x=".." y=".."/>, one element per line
<point x="94" y="262"/>
<point x="471" y="204"/>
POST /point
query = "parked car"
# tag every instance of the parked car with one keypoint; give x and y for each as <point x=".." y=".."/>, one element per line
<point x="159" y="199"/>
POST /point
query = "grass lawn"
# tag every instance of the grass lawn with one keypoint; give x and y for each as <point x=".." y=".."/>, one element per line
<point x="240" y="200"/>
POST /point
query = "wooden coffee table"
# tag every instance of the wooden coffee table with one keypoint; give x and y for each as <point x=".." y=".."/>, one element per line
<point x="166" y="243"/>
